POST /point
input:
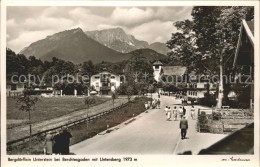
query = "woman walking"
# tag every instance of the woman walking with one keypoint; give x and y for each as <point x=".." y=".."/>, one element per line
<point x="175" y="111"/>
<point x="181" y="112"/>
<point x="48" y="144"/>
<point x="192" y="112"/>
<point x="169" y="113"/>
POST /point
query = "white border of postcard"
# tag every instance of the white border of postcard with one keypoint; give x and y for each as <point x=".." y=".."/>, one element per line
<point x="143" y="160"/>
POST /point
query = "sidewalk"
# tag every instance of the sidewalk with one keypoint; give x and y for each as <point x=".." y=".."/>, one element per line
<point x="196" y="141"/>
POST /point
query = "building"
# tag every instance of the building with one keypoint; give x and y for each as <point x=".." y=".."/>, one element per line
<point x="105" y="82"/>
<point x="244" y="56"/>
<point x="173" y="74"/>
<point x="14" y="89"/>
<point x="199" y="85"/>
<point x="157" y="66"/>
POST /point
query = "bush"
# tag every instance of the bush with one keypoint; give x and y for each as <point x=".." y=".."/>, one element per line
<point x="202" y="118"/>
<point x="216" y="116"/>
<point x="208" y="100"/>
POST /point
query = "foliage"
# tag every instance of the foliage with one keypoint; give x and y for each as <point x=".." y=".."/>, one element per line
<point x="202" y="118"/>
<point x="89" y="101"/>
<point x="208" y="100"/>
<point x="216" y="115"/>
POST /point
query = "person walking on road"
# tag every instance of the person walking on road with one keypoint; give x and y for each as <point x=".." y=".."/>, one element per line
<point x="57" y="144"/>
<point x="48" y="144"/>
<point x="192" y="110"/>
<point x="65" y="141"/>
<point x="169" y="113"/>
<point x="183" y="127"/>
<point x="158" y="103"/>
<point x="166" y="109"/>
<point x="146" y="105"/>
<point x="181" y="112"/>
<point x="175" y="113"/>
<point x="184" y="110"/>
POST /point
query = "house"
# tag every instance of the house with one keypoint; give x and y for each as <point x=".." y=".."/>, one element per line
<point x="14" y="89"/>
<point x="105" y="82"/>
<point x="157" y="66"/>
<point x="244" y="56"/>
<point x="173" y="74"/>
<point x="199" y="85"/>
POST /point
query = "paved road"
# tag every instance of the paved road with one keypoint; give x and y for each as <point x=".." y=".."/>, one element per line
<point x="150" y="133"/>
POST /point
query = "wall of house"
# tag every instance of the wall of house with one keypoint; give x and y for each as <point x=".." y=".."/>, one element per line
<point x="95" y="82"/>
<point x="156" y="72"/>
<point x="196" y="94"/>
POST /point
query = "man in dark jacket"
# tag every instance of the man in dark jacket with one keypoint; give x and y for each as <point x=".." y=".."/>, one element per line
<point x="65" y="141"/>
<point x="183" y="127"/>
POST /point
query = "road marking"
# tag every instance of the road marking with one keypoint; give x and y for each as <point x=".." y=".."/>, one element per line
<point x="174" y="152"/>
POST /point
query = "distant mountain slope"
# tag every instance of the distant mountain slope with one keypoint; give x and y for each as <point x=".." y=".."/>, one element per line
<point x="159" y="47"/>
<point x="72" y="45"/>
<point x="75" y="46"/>
<point x="117" y="39"/>
<point x="149" y="54"/>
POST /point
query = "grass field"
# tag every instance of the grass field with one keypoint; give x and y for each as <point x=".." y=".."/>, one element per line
<point x="86" y="130"/>
<point x="45" y="109"/>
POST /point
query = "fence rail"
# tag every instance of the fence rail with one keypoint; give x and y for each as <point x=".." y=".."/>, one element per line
<point x="88" y="118"/>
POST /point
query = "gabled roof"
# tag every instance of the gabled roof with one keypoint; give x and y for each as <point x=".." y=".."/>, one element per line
<point x="174" y="70"/>
<point x="157" y="63"/>
<point x="247" y="27"/>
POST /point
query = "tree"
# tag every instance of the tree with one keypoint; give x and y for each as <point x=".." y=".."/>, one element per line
<point x="26" y="102"/>
<point x="182" y="45"/>
<point x="217" y="30"/>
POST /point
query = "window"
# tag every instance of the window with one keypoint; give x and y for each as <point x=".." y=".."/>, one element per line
<point x="96" y="77"/>
<point x="113" y="84"/>
<point x="13" y="87"/>
<point x="97" y="84"/>
<point x="112" y="77"/>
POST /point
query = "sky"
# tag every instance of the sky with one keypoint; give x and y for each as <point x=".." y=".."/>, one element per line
<point x="26" y="25"/>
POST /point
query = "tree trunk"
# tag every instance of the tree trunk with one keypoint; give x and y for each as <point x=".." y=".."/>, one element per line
<point x="220" y="86"/>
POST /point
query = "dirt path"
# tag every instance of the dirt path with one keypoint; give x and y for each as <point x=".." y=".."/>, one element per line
<point x="22" y="131"/>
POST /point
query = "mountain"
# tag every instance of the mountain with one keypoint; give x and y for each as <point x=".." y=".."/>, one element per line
<point x="72" y="45"/>
<point x="159" y="47"/>
<point x="117" y="39"/>
<point x="149" y="54"/>
<point x="75" y="46"/>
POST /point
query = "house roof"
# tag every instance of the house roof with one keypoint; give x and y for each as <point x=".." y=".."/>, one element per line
<point x="247" y="27"/>
<point x="174" y="70"/>
<point x="157" y="63"/>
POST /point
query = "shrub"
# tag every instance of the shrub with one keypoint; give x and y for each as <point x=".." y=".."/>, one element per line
<point x="216" y="116"/>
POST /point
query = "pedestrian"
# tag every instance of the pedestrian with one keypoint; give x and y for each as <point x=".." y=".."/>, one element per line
<point x="158" y="95"/>
<point x="65" y="141"/>
<point x="158" y="103"/>
<point x="166" y="109"/>
<point x="149" y="104"/>
<point x="181" y="112"/>
<point x="175" y="111"/>
<point x="184" y="110"/>
<point x="192" y="110"/>
<point x="146" y="105"/>
<point x="57" y="142"/>
<point x="48" y="144"/>
<point x="169" y="113"/>
<point x="183" y="127"/>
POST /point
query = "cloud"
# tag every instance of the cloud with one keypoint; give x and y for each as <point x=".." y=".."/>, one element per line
<point x="26" y="38"/>
<point x="161" y="31"/>
<point x="29" y="24"/>
<point x="131" y="16"/>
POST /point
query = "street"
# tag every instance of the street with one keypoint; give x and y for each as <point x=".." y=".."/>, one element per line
<point x="149" y="133"/>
